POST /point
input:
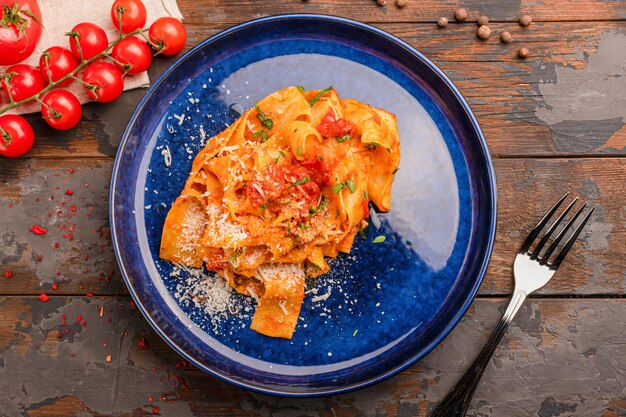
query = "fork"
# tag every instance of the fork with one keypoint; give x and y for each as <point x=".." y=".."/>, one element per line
<point x="532" y="270"/>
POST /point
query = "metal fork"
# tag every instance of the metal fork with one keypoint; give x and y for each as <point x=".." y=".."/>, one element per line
<point x="532" y="270"/>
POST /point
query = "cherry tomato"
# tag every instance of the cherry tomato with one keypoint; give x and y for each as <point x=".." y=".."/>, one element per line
<point x="89" y="39"/>
<point x="16" y="136"/>
<point x="61" y="109"/>
<point x="106" y="80"/>
<point x="134" y="52"/>
<point x="168" y="35"/>
<point x="20" y="30"/>
<point x="60" y="62"/>
<point x="133" y="15"/>
<point x="23" y="81"/>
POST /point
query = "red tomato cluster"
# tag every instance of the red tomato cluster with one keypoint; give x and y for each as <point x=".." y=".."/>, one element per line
<point x="103" y="67"/>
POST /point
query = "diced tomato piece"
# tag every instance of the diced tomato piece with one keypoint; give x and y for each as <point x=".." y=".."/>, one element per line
<point x="319" y="171"/>
<point x="333" y="128"/>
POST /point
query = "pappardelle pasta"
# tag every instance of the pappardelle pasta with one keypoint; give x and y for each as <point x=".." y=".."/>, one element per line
<point x="285" y="186"/>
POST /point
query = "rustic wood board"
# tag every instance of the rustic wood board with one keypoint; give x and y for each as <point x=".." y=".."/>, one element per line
<point x="560" y="357"/>
<point x="553" y="122"/>
<point x="527" y="188"/>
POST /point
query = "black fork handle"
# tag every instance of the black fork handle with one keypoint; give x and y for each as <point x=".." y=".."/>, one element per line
<point x="458" y="400"/>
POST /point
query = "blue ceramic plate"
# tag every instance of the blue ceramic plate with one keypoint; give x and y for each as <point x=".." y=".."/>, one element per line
<point x="382" y="307"/>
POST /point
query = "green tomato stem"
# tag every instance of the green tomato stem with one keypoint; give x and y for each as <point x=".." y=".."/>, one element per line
<point x="84" y="62"/>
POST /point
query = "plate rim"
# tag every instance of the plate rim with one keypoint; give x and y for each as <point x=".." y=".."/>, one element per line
<point x="303" y="393"/>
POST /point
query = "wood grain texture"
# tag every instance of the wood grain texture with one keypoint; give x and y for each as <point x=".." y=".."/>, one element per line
<point x="553" y="122"/>
<point x="560" y="357"/>
<point x="526" y="189"/>
<point x="517" y="102"/>
<point x="235" y="11"/>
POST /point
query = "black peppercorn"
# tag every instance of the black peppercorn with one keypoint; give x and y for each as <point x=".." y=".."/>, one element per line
<point x="483" y="32"/>
<point x="523" y="52"/>
<point x="482" y="20"/>
<point x="525" y="20"/>
<point x="460" y="15"/>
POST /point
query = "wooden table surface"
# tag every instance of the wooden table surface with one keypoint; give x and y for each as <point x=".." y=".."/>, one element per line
<point x="553" y="122"/>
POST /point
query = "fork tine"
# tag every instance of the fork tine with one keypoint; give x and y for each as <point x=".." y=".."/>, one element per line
<point x="544" y="259"/>
<point x="546" y="237"/>
<point x="533" y="233"/>
<point x="570" y="242"/>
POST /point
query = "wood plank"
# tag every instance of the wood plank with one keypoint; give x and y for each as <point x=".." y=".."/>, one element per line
<point x="526" y="189"/>
<point x="234" y="11"/>
<point x="559" y="356"/>
<point x="525" y="108"/>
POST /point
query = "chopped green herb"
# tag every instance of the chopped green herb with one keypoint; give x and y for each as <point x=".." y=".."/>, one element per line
<point x="362" y="233"/>
<point x="351" y="186"/>
<point x="372" y="145"/>
<point x="264" y="205"/>
<point x="379" y="239"/>
<point x="364" y="194"/>
<point x="320" y="158"/>
<point x="265" y="121"/>
<point x="299" y="150"/>
<point x="394" y="171"/>
<point x="312" y="210"/>
<point x="304" y="226"/>
<point x="281" y="153"/>
<point x="323" y="204"/>
<point x="319" y="95"/>
<point x="300" y="88"/>
<point x="337" y="188"/>
<point x="355" y="332"/>
<point x="301" y="181"/>
<point x="262" y="133"/>
<point x="342" y="139"/>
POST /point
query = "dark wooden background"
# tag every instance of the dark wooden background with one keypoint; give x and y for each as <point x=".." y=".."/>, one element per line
<point x="553" y="122"/>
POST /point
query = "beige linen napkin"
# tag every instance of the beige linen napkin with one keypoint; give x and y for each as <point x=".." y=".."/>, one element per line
<point x="60" y="16"/>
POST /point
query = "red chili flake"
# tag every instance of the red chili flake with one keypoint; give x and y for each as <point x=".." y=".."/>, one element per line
<point x="43" y="297"/>
<point x="57" y="175"/>
<point x="72" y="208"/>
<point x="59" y="335"/>
<point x="39" y="258"/>
<point x="86" y="257"/>
<point x="150" y="398"/>
<point x="63" y="203"/>
<point x="10" y="205"/>
<point x="55" y="286"/>
<point x="109" y="320"/>
<point x="72" y="355"/>
<point x="72" y="228"/>
<point x="84" y="323"/>
<point x="8" y="274"/>
<point x="63" y="319"/>
<point x="37" y="200"/>
<point x="155" y="410"/>
<point x="56" y="245"/>
<point x="38" y="230"/>
<point x="51" y="197"/>
<point x="79" y="318"/>
<point x="69" y="192"/>
<point x="89" y="294"/>
<point x="72" y="170"/>
<point x="67" y="330"/>
<point x="142" y="344"/>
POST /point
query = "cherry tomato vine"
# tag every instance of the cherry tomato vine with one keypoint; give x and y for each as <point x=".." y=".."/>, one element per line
<point x="93" y="61"/>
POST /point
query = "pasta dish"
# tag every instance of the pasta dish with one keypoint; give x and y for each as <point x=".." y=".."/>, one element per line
<point x="286" y="186"/>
